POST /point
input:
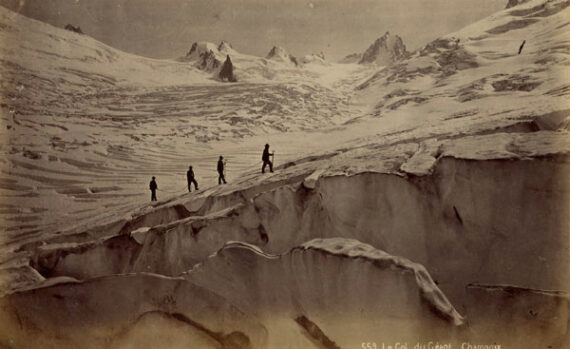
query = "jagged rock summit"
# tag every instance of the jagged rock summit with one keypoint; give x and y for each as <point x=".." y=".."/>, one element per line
<point x="225" y="47"/>
<point x="227" y="71"/>
<point x="385" y="50"/>
<point x="207" y="56"/>
<point x="280" y="54"/>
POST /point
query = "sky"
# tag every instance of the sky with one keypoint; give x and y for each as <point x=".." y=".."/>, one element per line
<point x="167" y="28"/>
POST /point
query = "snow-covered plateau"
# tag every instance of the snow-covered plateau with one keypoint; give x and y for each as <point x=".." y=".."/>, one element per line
<point x="427" y="200"/>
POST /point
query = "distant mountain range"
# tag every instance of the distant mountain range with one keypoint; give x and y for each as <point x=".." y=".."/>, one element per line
<point x="209" y="57"/>
<point x="384" y="51"/>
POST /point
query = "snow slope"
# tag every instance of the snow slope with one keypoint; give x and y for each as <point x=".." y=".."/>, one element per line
<point x="84" y="126"/>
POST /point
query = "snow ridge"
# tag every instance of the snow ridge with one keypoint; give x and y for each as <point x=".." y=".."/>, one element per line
<point x="246" y="246"/>
<point x="355" y="249"/>
<point x="351" y="248"/>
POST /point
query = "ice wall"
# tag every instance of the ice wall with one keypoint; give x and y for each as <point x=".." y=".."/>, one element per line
<point x="494" y="221"/>
<point x="500" y="223"/>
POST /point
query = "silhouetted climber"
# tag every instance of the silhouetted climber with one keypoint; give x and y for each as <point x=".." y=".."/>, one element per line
<point x="73" y="28"/>
<point x="227" y="71"/>
<point x="265" y="158"/>
<point x="521" y="48"/>
<point x="221" y="177"/>
<point x="191" y="179"/>
<point x="153" y="188"/>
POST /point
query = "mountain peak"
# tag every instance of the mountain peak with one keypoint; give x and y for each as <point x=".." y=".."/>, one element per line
<point x="206" y="55"/>
<point x="280" y="54"/>
<point x="276" y="51"/>
<point x="225" y="46"/>
<point x="385" y="50"/>
<point x="200" y="47"/>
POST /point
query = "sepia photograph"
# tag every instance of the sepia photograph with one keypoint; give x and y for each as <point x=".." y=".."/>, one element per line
<point x="285" y="174"/>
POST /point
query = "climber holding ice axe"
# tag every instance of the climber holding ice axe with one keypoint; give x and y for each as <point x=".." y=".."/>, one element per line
<point x="265" y="158"/>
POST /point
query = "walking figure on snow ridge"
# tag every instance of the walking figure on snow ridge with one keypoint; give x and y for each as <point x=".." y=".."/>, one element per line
<point x="265" y="158"/>
<point x="153" y="188"/>
<point x="191" y="179"/>
<point x="221" y="164"/>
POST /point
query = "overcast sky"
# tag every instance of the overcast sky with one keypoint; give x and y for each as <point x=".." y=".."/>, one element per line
<point x="167" y="28"/>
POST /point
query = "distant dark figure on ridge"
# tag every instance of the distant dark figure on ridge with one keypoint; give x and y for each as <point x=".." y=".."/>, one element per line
<point x="191" y="179"/>
<point x="153" y="188"/>
<point x="265" y="158"/>
<point x="73" y="28"/>
<point x="221" y="177"/>
<point x="521" y="48"/>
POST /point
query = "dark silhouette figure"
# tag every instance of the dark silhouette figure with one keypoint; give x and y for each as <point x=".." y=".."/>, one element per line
<point x="265" y="158"/>
<point x="227" y="71"/>
<point x="153" y="188"/>
<point x="73" y="28"/>
<point x="191" y="179"/>
<point x="221" y="177"/>
<point x="521" y="48"/>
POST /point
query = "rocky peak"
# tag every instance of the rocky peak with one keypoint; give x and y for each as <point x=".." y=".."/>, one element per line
<point x="198" y="48"/>
<point x="205" y="55"/>
<point x="201" y="48"/>
<point x="385" y="50"/>
<point x="227" y="71"/>
<point x="279" y="53"/>
<point x="225" y="46"/>
<point x="208" y="61"/>
<point x="192" y="49"/>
